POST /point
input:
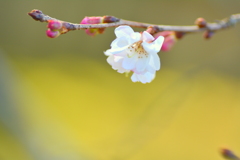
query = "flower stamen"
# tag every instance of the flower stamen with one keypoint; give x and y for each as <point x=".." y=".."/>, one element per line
<point x="137" y="48"/>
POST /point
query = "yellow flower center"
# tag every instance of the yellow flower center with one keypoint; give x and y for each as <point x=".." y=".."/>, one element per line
<point x="137" y="48"/>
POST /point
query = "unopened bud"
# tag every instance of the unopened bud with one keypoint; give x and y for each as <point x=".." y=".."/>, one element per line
<point x="208" y="34"/>
<point x="54" y="25"/>
<point x="228" y="154"/>
<point x="201" y="22"/>
<point x="110" y="19"/>
<point x="36" y="14"/>
<point x="93" y="20"/>
<point x="179" y="35"/>
<point x="154" y="29"/>
<point x="94" y="32"/>
<point x="52" y="34"/>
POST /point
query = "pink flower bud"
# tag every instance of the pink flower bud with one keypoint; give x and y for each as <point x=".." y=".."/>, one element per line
<point x="93" y="20"/>
<point x="52" y="34"/>
<point x="54" y="25"/>
<point x="228" y="154"/>
<point x="169" y="39"/>
<point x="94" y="32"/>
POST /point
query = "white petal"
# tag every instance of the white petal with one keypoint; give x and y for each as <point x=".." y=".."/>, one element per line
<point x="116" y="63"/>
<point x="122" y="70"/>
<point x="134" y="37"/>
<point x="110" y="59"/>
<point x="147" y="37"/>
<point x="149" y="47"/>
<point x="129" y="63"/>
<point x="119" y="68"/>
<point x="107" y="53"/>
<point x="154" y="61"/>
<point x="134" y="77"/>
<point x="155" y="46"/>
<point x="142" y="78"/>
<point x="146" y="78"/>
<point x="150" y="69"/>
<point x="149" y="76"/>
<point x="118" y="58"/>
<point x="141" y="64"/>
<point x="119" y="42"/>
<point x="123" y="31"/>
<point x="115" y="50"/>
<point x="158" y="43"/>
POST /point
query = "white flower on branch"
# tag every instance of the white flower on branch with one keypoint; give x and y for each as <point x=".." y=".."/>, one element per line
<point x="136" y="52"/>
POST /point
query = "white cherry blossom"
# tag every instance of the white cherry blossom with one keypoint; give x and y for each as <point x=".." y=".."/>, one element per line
<point x="136" y="52"/>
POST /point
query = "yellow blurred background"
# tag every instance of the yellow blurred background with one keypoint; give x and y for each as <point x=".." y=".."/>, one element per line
<point x="60" y="100"/>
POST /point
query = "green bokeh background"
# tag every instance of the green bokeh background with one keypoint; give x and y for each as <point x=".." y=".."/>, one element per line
<point x="60" y="100"/>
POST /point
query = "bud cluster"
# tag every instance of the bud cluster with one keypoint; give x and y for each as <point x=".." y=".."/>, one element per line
<point x="97" y="20"/>
<point x="202" y="23"/>
<point x="54" y="28"/>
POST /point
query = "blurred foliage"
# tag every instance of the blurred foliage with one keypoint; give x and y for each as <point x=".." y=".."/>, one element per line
<point x="60" y="100"/>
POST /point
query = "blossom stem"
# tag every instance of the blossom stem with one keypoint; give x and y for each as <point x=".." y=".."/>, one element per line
<point x="221" y="24"/>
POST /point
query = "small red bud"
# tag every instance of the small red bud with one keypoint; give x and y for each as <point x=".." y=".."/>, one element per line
<point x="54" y="25"/>
<point x="208" y="34"/>
<point x="110" y="19"/>
<point x="153" y="30"/>
<point x="201" y="22"/>
<point x="179" y="35"/>
<point x="52" y="34"/>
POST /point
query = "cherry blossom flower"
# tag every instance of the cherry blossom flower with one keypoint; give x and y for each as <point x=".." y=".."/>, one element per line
<point x="136" y="52"/>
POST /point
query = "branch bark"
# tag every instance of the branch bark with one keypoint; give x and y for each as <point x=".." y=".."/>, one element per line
<point x="221" y="24"/>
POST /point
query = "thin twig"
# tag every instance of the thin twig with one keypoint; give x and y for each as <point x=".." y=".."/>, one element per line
<point x="221" y="24"/>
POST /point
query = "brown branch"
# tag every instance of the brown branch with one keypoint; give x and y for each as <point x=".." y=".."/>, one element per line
<point x="222" y="24"/>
